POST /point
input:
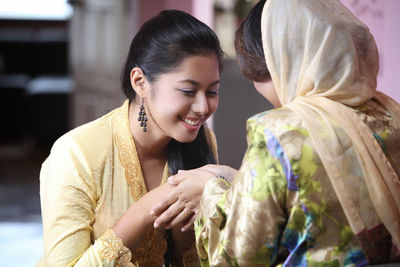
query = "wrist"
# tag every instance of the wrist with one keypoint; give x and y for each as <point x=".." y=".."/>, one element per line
<point x="140" y="210"/>
<point x="222" y="177"/>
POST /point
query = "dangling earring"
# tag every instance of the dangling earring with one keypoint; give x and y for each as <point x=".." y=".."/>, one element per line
<point x="142" y="116"/>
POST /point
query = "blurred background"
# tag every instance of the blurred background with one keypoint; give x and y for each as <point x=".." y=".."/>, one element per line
<point x="60" y="63"/>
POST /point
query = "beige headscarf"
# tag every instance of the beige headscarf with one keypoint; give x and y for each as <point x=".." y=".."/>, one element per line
<point x="323" y="60"/>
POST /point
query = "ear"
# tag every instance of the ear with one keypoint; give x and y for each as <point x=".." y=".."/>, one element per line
<point x="139" y="82"/>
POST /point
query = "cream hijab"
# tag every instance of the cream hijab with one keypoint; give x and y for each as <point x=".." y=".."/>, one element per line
<point x="323" y="60"/>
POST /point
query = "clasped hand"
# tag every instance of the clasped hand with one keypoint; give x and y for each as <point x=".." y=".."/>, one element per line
<point x="181" y="205"/>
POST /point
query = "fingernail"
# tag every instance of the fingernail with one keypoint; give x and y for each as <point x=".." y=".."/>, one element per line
<point x="183" y="229"/>
<point x="156" y="225"/>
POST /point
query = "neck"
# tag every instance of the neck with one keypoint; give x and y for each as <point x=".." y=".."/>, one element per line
<point x="149" y="144"/>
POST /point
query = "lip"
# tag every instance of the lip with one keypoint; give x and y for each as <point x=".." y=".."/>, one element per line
<point x="190" y="126"/>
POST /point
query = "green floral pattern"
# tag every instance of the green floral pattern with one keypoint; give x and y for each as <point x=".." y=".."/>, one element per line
<point x="281" y="208"/>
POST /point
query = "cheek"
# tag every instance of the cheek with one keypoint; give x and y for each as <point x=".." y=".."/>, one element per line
<point x="212" y="105"/>
<point x="166" y="104"/>
<point x="171" y="109"/>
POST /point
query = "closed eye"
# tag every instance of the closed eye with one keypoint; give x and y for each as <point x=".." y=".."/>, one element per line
<point x="212" y="92"/>
<point x="188" y="92"/>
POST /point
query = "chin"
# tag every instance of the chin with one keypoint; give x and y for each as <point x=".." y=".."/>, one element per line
<point x="186" y="138"/>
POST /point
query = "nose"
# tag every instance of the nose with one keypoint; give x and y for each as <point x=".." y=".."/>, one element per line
<point x="200" y="105"/>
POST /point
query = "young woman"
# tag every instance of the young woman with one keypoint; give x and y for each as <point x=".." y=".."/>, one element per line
<point x="319" y="183"/>
<point x="101" y="179"/>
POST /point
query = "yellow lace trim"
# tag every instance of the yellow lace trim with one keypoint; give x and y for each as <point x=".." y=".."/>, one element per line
<point x="114" y="249"/>
<point x="151" y="250"/>
<point x="127" y="153"/>
<point x="190" y="256"/>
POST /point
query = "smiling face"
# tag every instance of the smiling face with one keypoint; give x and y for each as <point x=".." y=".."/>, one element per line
<point x="180" y="101"/>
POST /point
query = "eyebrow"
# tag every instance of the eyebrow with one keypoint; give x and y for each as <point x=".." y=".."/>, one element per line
<point x="197" y="83"/>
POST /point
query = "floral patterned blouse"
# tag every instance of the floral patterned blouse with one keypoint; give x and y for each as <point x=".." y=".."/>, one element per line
<point x="281" y="208"/>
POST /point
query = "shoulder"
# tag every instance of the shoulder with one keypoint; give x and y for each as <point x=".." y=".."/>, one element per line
<point x="79" y="158"/>
<point x="287" y="143"/>
<point x="91" y="132"/>
<point x="89" y="142"/>
<point x="277" y="121"/>
<point x="279" y="129"/>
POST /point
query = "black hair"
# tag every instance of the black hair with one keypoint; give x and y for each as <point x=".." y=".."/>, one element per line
<point x="160" y="45"/>
<point x="164" y="41"/>
<point x="249" y="48"/>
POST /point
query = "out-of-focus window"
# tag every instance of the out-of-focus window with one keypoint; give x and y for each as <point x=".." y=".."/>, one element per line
<point x="35" y="9"/>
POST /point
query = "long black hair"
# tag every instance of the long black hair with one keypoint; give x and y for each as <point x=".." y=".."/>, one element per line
<point x="160" y="45"/>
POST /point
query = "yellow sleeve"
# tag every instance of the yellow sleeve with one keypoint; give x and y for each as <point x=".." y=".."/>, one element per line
<point x="68" y="200"/>
<point x="108" y="250"/>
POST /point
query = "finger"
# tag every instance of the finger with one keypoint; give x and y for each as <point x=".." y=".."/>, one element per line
<point x="173" y="211"/>
<point x="189" y="224"/>
<point x="163" y="205"/>
<point x="180" y="219"/>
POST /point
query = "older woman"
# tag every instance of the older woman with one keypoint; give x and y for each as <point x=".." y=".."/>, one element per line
<point x="319" y="183"/>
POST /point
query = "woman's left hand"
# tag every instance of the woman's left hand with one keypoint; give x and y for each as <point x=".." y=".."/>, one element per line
<point x="181" y="205"/>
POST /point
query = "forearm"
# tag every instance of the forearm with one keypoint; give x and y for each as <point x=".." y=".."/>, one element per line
<point x="136" y="221"/>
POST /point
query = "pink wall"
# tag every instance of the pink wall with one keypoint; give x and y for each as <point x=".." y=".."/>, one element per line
<point x="204" y="11"/>
<point x="150" y="8"/>
<point x="382" y="17"/>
